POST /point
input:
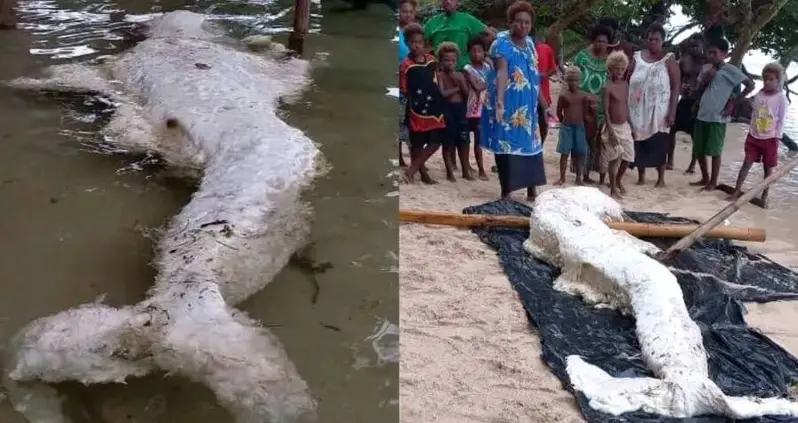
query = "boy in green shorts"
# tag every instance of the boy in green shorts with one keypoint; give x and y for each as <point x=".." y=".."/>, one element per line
<point x="717" y="82"/>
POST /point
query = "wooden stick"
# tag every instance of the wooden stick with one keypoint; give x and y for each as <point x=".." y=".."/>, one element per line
<point x="727" y="211"/>
<point x="649" y="230"/>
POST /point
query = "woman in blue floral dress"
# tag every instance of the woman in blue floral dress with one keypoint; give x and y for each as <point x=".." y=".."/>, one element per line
<point x="509" y="121"/>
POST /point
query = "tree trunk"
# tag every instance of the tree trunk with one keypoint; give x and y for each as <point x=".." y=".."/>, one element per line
<point x="569" y="14"/>
<point x="750" y="29"/>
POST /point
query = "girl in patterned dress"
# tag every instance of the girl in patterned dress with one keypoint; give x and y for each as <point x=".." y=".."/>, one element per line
<point x="477" y="76"/>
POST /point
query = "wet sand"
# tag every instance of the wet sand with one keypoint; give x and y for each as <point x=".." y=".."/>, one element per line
<point x="468" y="352"/>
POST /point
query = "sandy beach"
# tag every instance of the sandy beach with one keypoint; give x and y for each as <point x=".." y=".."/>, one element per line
<point x="468" y="352"/>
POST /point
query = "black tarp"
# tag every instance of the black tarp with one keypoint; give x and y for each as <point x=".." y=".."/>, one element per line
<point x="741" y="361"/>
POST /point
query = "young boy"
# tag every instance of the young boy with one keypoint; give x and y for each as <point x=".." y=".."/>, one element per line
<point x="407" y="15"/>
<point x="476" y="74"/>
<point x="454" y="89"/>
<point x="618" y="148"/>
<point x="766" y="128"/>
<point x="717" y="81"/>
<point x="572" y="107"/>
<point x="425" y="106"/>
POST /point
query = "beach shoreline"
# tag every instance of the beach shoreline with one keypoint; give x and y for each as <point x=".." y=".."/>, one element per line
<point x="469" y="354"/>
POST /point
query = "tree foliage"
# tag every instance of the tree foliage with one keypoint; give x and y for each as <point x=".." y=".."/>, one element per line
<point x="776" y="38"/>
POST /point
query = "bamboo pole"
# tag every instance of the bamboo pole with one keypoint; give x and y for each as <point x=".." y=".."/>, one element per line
<point x="645" y="230"/>
<point x="727" y="211"/>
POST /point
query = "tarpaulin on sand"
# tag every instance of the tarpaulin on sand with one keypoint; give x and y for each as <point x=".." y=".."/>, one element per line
<point x="741" y="361"/>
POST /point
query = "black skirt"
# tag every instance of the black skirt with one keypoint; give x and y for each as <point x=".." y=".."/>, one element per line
<point x="517" y="172"/>
<point x="653" y="151"/>
<point x="685" y="120"/>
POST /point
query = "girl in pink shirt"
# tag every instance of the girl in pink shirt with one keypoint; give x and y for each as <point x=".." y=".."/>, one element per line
<point x="766" y="128"/>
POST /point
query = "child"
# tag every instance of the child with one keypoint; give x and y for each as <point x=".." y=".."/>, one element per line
<point x="717" y="81"/>
<point x="477" y="75"/>
<point x="618" y="149"/>
<point x="425" y="106"/>
<point x="572" y="107"/>
<point x="454" y="89"/>
<point x="766" y="128"/>
<point x="407" y="15"/>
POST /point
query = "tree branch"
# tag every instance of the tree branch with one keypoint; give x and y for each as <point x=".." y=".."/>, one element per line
<point x="681" y="31"/>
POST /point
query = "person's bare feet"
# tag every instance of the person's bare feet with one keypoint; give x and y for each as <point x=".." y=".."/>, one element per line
<point x="405" y="176"/>
<point x="579" y="183"/>
<point x="428" y="180"/>
<point x="483" y="176"/>
<point x="689" y="171"/>
<point x="451" y="178"/>
<point x="559" y="182"/>
<point x="733" y="196"/>
<point x="669" y="166"/>
<point x="700" y="183"/>
<point x="616" y="194"/>
<point x="621" y="189"/>
<point x="641" y="182"/>
<point x="660" y="184"/>
<point x="468" y="177"/>
<point x="708" y="187"/>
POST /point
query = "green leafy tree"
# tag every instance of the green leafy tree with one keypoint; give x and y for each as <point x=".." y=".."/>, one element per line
<point x="768" y="25"/>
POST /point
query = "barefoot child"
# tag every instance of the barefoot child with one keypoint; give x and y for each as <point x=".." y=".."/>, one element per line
<point x="717" y="82"/>
<point x="407" y="15"/>
<point x="766" y="128"/>
<point x="477" y="75"/>
<point x="572" y="107"/>
<point x="425" y="105"/>
<point x="618" y="148"/>
<point x="454" y="89"/>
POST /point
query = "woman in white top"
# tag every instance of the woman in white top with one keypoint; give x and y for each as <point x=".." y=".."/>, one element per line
<point x="653" y="95"/>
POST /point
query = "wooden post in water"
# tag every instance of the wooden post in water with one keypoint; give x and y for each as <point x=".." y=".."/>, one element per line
<point x="301" y="25"/>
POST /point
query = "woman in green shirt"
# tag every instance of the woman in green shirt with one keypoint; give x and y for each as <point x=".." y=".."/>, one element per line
<point x="592" y="61"/>
<point x="453" y="26"/>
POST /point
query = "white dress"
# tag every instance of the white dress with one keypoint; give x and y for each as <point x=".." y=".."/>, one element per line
<point x="649" y="97"/>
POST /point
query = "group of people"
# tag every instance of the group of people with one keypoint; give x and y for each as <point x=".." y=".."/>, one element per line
<point x="620" y="109"/>
<point x="480" y="82"/>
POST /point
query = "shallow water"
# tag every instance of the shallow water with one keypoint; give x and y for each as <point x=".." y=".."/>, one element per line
<point x="75" y="220"/>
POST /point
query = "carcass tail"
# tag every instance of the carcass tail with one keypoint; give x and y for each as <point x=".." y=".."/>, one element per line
<point x="687" y="397"/>
<point x="243" y="363"/>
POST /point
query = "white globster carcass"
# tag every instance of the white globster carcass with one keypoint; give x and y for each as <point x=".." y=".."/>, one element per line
<point x="189" y="94"/>
<point x="611" y="269"/>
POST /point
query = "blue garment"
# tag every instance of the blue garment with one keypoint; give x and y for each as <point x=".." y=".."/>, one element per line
<point x="404" y="50"/>
<point x="518" y="133"/>
<point x="572" y="140"/>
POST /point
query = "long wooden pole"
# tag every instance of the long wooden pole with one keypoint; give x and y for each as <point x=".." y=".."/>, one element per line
<point x="637" y="229"/>
<point x="727" y="211"/>
<point x="296" y="41"/>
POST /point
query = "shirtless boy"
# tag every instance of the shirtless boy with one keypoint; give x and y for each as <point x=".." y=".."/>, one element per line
<point x="572" y="107"/>
<point x="454" y="89"/>
<point x="690" y="66"/>
<point x="618" y="148"/>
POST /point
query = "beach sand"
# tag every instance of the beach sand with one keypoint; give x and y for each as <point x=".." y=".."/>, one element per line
<point x="469" y="354"/>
